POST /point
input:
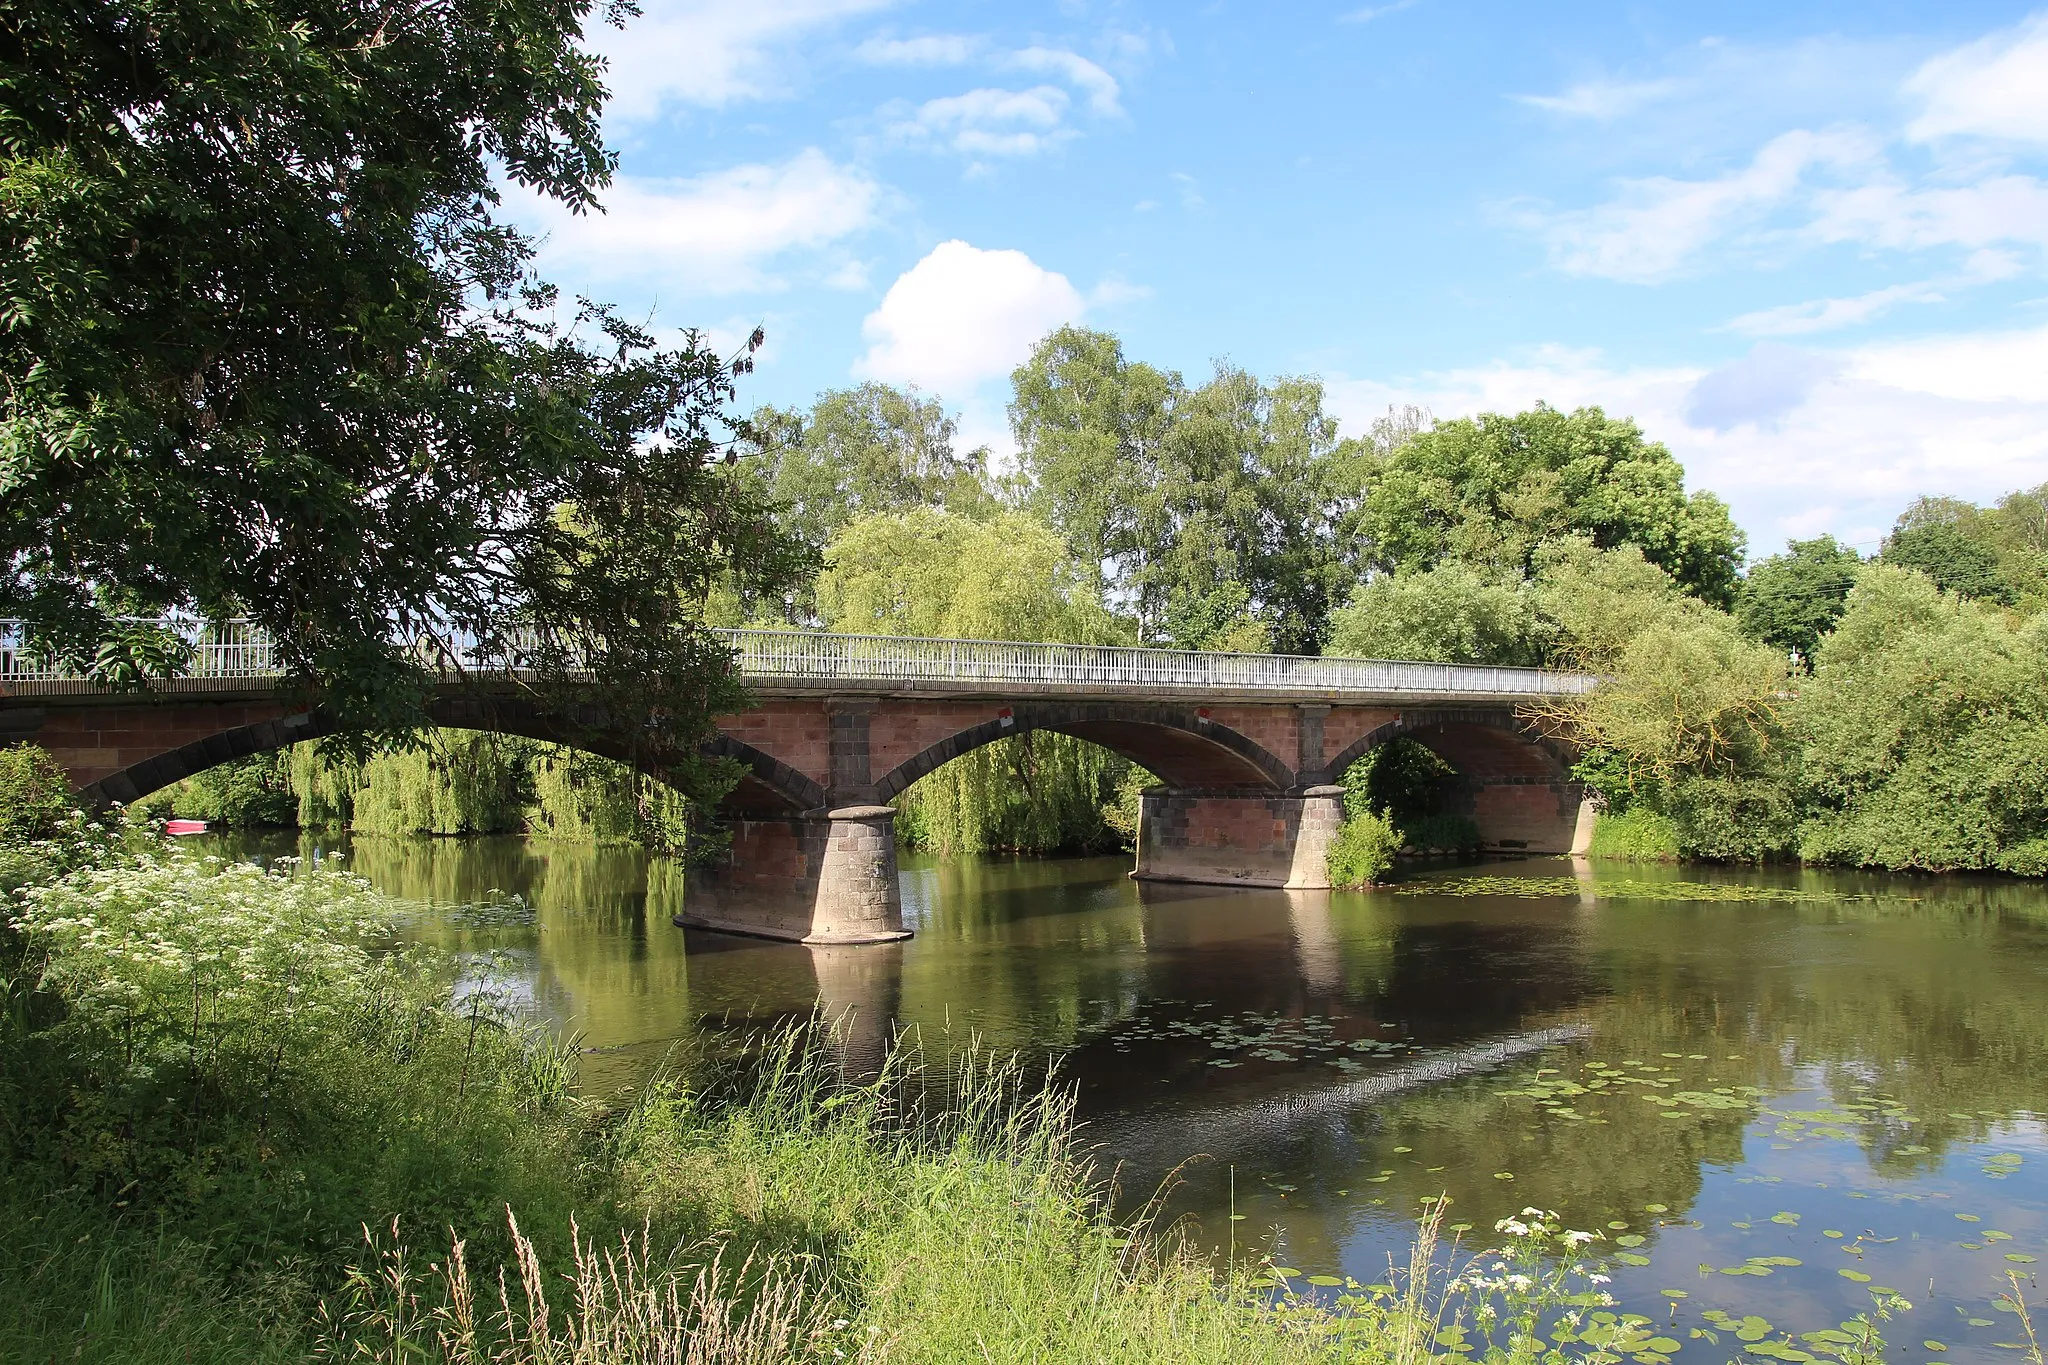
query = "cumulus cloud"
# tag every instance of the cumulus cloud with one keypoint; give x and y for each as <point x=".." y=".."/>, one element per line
<point x="712" y="234"/>
<point x="707" y="52"/>
<point x="964" y="315"/>
<point x="1996" y="87"/>
<point x="990" y="122"/>
<point x="1863" y="431"/>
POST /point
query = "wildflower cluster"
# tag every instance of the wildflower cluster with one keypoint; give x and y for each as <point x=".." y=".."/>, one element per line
<point x="168" y="959"/>
<point x="66" y="843"/>
<point x="1537" y="1299"/>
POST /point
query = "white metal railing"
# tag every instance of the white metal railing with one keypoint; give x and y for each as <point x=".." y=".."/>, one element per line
<point x="238" y="650"/>
<point x="899" y="658"/>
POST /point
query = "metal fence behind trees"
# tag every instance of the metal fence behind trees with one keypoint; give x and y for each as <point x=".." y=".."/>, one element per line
<point x="238" y="650"/>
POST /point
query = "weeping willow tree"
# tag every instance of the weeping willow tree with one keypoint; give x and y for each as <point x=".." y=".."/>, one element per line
<point x="585" y="798"/>
<point x="467" y="782"/>
<point x="460" y="782"/>
<point x="1038" y="792"/>
<point x="1006" y="577"/>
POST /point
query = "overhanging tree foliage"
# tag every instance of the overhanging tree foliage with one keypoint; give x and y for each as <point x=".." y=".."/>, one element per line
<point x="269" y="351"/>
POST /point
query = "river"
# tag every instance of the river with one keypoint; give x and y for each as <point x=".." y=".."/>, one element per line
<point x="1772" y="1092"/>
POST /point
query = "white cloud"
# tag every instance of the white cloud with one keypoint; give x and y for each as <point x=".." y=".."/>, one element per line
<point x="1996" y="87"/>
<point x="1372" y="12"/>
<point x="962" y="316"/>
<point x="1654" y="226"/>
<point x="937" y="50"/>
<point x="708" y="52"/>
<point x="1822" y="315"/>
<point x="990" y="122"/>
<point x="1888" y="213"/>
<point x="1084" y="75"/>
<point x="1860" y="433"/>
<point x="712" y="234"/>
<point x="1981" y="368"/>
<point x="1604" y="99"/>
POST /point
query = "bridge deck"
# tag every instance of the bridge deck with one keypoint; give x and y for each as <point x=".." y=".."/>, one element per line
<point x="236" y="659"/>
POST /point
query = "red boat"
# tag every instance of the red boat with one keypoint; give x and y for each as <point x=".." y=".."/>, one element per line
<point x="184" y="827"/>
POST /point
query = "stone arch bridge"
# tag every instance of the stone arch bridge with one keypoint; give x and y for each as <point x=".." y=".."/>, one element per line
<point x="1247" y="749"/>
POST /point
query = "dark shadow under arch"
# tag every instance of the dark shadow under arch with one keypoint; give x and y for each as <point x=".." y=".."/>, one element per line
<point x="1547" y="759"/>
<point x="1177" y="743"/>
<point x="767" y="785"/>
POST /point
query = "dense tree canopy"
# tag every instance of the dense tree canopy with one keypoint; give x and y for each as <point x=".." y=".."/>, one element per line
<point x="1451" y="613"/>
<point x="1926" y="727"/>
<point x="863" y="451"/>
<point x="1207" y="510"/>
<point x="1491" y="491"/>
<point x="269" y="352"/>
<point x="1792" y="599"/>
<point x="1953" y="543"/>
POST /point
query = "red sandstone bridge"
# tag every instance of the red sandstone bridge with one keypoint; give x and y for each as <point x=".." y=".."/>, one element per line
<point x="1246" y="747"/>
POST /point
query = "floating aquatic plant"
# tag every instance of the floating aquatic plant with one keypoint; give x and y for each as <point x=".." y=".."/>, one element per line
<point x="1618" y="889"/>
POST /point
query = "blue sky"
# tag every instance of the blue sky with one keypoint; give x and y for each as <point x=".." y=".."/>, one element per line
<point x="1805" y="245"/>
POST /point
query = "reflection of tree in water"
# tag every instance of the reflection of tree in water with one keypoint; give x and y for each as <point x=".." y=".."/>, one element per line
<point x="1934" y="1004"/>
<point x="1933" y="1001"/>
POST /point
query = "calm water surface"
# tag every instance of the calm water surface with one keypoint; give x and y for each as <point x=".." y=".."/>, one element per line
<point x="1772" y="1091"/>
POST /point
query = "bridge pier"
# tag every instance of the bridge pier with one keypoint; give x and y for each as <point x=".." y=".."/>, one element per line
<point x="1239" y="838"/>
<point x="821" y="877"/>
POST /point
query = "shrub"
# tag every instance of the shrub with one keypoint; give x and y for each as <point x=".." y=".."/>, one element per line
<point x="1925" y="731"/>
<point x="1442" y="833"/>
<point x="1636" y="835"/>
<point x="1363" y="850"/>
<point x="35" y="794"/>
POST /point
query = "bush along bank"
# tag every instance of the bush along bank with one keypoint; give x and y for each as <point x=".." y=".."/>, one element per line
<point x="1919" y="740"/>
<point x="1395" y="802"/>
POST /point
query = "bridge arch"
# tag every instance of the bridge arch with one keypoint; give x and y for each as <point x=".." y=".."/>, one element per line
<point x="1181" y="745"/>
<point x="1512" y="782"/>
<point x="767" y="785"/>
<point x="1478" y="742"/>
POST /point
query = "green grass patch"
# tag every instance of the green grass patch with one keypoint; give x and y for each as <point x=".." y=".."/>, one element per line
<point x="1636" y="835"/>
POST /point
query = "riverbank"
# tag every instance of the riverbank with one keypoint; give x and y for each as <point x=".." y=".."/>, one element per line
<point x="1227" y="1026"/>
<point x="238" y="1129"/>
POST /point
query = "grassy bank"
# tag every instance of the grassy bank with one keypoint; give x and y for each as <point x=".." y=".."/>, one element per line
<point x="216" y="1079"/>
